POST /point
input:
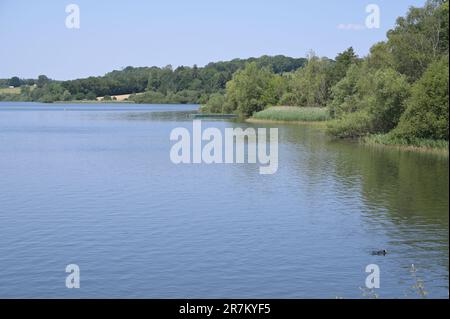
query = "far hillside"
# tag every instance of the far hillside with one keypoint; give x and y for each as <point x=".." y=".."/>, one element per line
<point x="161" y="85"/>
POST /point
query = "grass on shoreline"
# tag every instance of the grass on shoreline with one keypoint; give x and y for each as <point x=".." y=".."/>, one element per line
<point x="414" y="144"/>
<point x="292" y="114"/>
<point x="317" y="115"/>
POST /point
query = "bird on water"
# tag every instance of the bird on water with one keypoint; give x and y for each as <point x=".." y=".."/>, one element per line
<point x="379" y="252"/>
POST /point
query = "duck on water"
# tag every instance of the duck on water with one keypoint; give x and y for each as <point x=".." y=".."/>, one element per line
<point x="379" y="252"/>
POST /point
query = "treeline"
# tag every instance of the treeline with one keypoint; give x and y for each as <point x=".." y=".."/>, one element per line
<point x="160" y="85"/>
<point x="254" y="88"/>
<point x="400" y="88"/>
<point x="16" y="82"/>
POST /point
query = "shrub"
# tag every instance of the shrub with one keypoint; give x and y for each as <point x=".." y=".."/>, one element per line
<point x="215" y="104"/>
<point x="351" y="125"/>
<point x="426" y="115"/>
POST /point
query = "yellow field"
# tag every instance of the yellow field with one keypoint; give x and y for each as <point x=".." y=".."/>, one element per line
<point x="9" y="90"/>
<point x="119" y="98"/>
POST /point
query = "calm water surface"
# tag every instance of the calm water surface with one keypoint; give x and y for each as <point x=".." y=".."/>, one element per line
<point x="93" y="185"/>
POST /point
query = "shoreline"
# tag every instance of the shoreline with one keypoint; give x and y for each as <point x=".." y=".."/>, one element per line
<point x="361" y="140"/>
<point x="296" y="122"/>
<point x="321" y="125"/>
<point x="93" y="102"/>
<point x="369" y="141"/>
<point x="305" y="116"/>
<point x="410" y="148"/>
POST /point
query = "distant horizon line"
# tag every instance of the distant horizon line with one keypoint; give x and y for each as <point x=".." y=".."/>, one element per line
<point x="174" y="67"/>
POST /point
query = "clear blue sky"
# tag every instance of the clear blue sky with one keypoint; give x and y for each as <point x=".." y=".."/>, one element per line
<point x="115" y="34"/>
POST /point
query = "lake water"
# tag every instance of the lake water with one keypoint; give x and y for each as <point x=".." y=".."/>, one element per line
<point x="93" y="185"/>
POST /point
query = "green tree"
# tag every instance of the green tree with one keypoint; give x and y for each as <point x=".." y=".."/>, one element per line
<point x="380" y="56"/>
<point x="374" y="98"/>
<point x="91" y="96"/>
<point x="42" y="81"/>
<point x="66" y="96"/>
<point x="311" y="84"/>
<point x="216" y="104"/>
<point x="419" y="38"/>
<point x="15" y="81"/>
<point x="245" y="92"/>
<point x="274" y="91"/>
<point x="427" y="112"/>
<point x="348" y="93"/>
<point x="386" y="102"/>
<point x="343" y="61"/>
